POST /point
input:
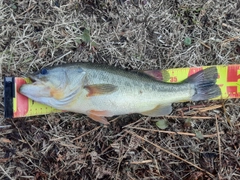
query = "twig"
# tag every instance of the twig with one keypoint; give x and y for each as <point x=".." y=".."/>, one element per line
<point x="5" y="140"/>
<point x="204" y="9"/>
<point x="205" y="45"/>
<point x="230" y="39"/>
<point x="219" y="143"/>
<point x="230" y="27"/>
<point x="3" y="160"/>
<point x="176" y="133"/>
<point x="86" y="133"/>
<point x="118" y="167"/>
<point x="190" y="107"/>
<point x="5" y="127"/>
<point x="23" y="140"/>
<point x="5" y="173"/>
<point x="148" y="118"/>
<point x="225" y="114"/>
<point x="170" y="153"/>
<point x="191" y="117"/>
<point x="155" y="161"/>
<point x="95" y="129"/>
<point x="157" y="167"/>
<point x="209" y="108"/>
<point x="140" y="162"/>
<point x="130" y="177"/>
<point x="69" y="145"/>
<point x="114" y="143"/>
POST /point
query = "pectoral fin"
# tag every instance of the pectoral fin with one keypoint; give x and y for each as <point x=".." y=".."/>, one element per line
<point x="98" y="116"/>
<point x="99" y="89"/>
<point x="159" y="110"/>
<point x="57" y="93"/>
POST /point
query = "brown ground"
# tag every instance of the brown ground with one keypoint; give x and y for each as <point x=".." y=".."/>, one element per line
<point x="133" y="34"/>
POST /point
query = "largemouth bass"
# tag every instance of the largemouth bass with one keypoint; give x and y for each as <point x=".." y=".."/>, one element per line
<point x="101" y="91"/>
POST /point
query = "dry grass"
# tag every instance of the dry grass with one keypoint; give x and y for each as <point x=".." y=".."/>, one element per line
<point x="133" y="34"/>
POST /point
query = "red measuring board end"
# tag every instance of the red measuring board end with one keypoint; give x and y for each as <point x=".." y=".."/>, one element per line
<point x="21" y="107"/>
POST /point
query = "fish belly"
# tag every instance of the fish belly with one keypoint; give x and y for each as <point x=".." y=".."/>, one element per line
<point x="119" y="103"/>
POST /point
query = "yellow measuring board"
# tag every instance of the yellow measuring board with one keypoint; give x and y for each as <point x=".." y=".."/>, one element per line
<point x="228" y="78"/>
<point x="228" y="81"/>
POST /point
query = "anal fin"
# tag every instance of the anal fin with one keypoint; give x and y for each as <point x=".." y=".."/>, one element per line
<point x="98" y="116"/>
<point x="159" y="110"/>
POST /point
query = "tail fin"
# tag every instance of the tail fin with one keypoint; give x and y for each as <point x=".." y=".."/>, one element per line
<point x="205" y="84"/>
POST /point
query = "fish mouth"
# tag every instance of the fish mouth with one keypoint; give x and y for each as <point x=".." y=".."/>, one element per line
<point x="35" y="80"/>
<point x="32" y="79"/>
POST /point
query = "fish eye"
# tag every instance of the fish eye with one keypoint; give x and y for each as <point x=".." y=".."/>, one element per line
<point x="43" y="71"/>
